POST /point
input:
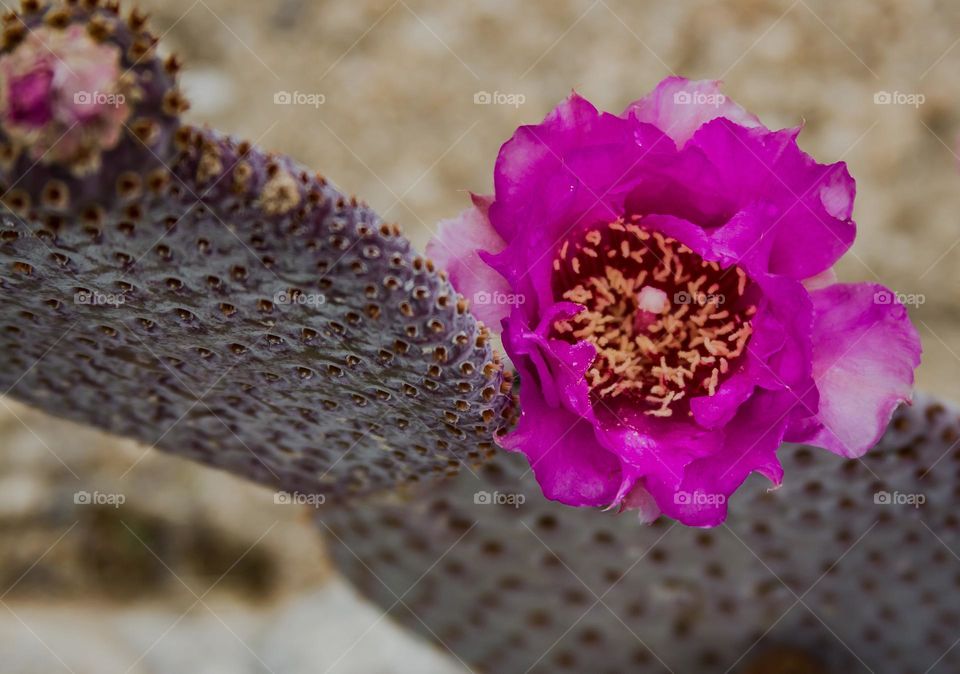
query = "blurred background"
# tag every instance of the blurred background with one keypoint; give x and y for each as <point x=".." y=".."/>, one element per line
<point x="405" y="104"/>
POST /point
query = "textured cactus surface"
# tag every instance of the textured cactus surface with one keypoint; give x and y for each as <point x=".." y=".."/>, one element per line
<point x="224" y="304"/>
<point x="818" y="573"/>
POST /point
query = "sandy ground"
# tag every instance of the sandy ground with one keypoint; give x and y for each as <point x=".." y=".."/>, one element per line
<point x="389" y="114"/>
<point x="178" y="568"/>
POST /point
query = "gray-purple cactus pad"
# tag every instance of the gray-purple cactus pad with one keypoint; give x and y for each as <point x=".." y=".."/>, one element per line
<point x="849" y="567"/>
<point x="224" y="304"/>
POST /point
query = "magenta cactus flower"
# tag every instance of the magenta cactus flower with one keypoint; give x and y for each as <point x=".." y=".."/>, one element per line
<point x="663" y="283"/>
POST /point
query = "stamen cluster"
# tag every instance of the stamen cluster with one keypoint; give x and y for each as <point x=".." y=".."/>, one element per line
<point x="667" y="324"/>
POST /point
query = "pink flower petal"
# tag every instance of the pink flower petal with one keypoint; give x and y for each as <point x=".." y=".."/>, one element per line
<point x="679" y="107"/>
<point x="798" y="209"/>
<point x="641" y="501"/>
<point x="456" y="248"/>
<point x="568" y="462"/>
<point x="864" y="354"/>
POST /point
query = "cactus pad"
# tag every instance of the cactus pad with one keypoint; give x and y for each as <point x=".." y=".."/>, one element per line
<point x="222" y="303"/>
<point x="828" y="572"/>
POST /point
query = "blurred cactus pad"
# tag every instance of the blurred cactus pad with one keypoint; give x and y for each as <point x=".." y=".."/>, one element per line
<point x="213" y="300"/>
<point x="837" y="572"/>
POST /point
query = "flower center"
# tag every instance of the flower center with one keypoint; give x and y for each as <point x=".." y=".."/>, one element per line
<point x="667" y="324"/>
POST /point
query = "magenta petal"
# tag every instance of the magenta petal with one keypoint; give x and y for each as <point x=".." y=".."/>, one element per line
<point x="568" y="462"/>
<point x="655" y="449"/>
<point x="787" y="303"/>
<point x="749" y="445"/>
<point x="532" y="163"/>
<point x="559" y="366"/>
<point x="456" y="248"/>
<point x="574" y="170"/>
<point x="717" y="410"/>
<point x="865" y="352"/>
<point x="803" y="207"/>
<point x="573" y="361"/>
<point x="679" y="107"/>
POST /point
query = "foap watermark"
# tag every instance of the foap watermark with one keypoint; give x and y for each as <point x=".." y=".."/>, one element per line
<point x="898" y="98"/>
<point x="699" y="498"/>
<point x="314" y="100"/>
<point x="95" y="298"/>
<point x="715" y="99"/>
<point x="484" y="298"/>
<point x="285" y="297"/>
<point x="499" y="498"/>
<point x="99" y="498"/>
<point x="498" y="98"/>
<point x="906" y="299"/>
<point x="700" y="299"/>
<point x="899" y="498"/>
<point x="299" y="498"/>
<point x="98" y="98"/>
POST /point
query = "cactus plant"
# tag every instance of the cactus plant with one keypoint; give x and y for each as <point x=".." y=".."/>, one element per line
<point x="213" y="300"/>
